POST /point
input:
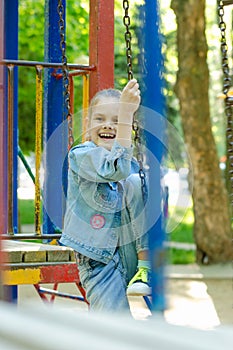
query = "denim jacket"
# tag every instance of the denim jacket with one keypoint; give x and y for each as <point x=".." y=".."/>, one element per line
<point x="94" y="198"/>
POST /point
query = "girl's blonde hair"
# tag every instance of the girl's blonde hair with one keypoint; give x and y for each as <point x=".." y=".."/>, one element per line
<point x="107" y="93"/>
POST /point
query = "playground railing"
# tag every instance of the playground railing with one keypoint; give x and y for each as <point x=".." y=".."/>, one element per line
<point x="36" y="263"/>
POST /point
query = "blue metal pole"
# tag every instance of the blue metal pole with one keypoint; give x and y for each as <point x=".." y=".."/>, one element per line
<point x="154" y="108"/>
<point x="11" y="52"/>
<point x="3" y="172"/>
<point x="55" y="131"/>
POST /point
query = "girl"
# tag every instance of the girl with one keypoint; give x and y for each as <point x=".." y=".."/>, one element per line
<point x="104" y="220"/>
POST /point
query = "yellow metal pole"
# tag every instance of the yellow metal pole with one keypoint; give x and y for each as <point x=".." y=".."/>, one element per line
<point x="38" y="141"/>
<point x="85" y="106"/>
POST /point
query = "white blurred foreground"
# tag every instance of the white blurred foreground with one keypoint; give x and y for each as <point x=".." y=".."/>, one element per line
<point x="36" y="327"/>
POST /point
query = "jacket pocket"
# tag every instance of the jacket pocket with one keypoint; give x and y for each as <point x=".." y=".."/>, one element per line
<point x="108" y="197"/>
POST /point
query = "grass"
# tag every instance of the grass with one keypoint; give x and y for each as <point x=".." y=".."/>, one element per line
<point x="26" y="208"/>
<point x="180" y="256"/>
<point x="182" y="224"/>
<point x="26" y="211"/>
<point x="182" y="230"/>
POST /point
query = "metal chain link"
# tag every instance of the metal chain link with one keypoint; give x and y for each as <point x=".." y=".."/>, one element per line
<point x="135" y="126"/>
<point x="228" y="99"/>
<point x="128" y="37"/>
<point x="65" y="71"/>
<point x="227" y="2"/>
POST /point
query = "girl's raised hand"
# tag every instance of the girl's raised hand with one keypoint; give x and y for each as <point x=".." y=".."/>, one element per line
<point x="130" y="97"/>
<point x="129" y="103"/>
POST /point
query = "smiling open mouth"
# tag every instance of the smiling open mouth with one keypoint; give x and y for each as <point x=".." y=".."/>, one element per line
<point x="106" y="136"/>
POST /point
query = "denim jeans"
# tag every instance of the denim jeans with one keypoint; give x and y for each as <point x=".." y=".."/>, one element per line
<point x="106" y="283"/>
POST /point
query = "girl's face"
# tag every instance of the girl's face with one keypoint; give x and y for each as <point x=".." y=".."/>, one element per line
<point x="103" y="124"/>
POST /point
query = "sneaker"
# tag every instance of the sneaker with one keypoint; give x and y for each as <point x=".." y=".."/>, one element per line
<point x="139" y="284"/>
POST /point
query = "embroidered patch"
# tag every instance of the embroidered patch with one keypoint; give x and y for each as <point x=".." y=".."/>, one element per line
<point x="97" y="221"/>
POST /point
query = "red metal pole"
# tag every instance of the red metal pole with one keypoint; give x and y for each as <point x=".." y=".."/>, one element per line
<point x="101" y="45"/>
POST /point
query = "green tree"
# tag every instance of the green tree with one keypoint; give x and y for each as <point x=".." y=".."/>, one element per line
<point x="31" y="47"/>
<point x="212" y="227"/>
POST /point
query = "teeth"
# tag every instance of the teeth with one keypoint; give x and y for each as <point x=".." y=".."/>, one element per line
<point x="109" y="136"/>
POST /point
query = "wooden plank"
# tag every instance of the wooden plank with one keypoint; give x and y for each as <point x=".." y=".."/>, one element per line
<point x="58" y="255"/>
<point x="72" y="257"/>
<point x="34" y="256"/>
<point x="44" y="273"/>
<point x="35" y="252"/>
<point x="14" y="256"/>
<point x="35" y="263"/>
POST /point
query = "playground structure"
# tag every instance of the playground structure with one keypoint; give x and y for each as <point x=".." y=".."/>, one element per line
<point x="31" y="263"/>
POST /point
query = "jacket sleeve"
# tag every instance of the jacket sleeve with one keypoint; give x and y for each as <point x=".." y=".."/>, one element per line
<point x="100" y="165"/>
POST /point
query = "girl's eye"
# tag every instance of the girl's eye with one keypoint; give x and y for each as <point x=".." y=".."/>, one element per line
<point x="99" y="119"/>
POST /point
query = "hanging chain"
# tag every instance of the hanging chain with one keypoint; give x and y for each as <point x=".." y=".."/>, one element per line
<point x="128" y="37"/>
<point x="135" y="126"/>
<point x="65" y="71"/>
<point x="228" y="99"/>
<point x="227" y="2"/>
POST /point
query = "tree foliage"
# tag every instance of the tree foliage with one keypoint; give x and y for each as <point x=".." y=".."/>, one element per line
<point x="198" y="125"/>
<point x="31" y="47"/>
<point x="212" y="226"/>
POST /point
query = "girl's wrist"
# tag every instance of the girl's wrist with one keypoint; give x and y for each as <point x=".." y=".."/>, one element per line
<point x="126" y="113"/>
<point x="125" y="142"/>
<point x="124" y="123"/>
